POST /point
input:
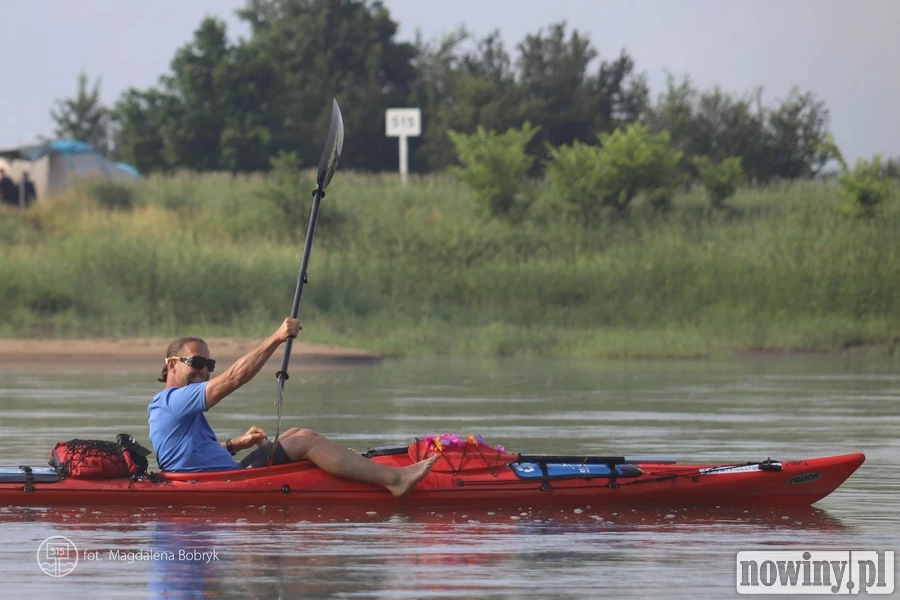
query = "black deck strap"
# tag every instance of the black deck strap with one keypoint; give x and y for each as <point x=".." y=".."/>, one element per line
<point x="29" y="479"/>
<point x="545" y="479"/>
<point x="613" y="476"/>
<point x="385" y="451"/>
<point x="570" y="459"/>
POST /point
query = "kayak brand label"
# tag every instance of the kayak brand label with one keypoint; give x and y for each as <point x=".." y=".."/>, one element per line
<point x="815" y="572"/>
<point x="803" y="478"/>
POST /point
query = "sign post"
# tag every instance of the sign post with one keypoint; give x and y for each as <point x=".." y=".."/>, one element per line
<point x="403" y="123"/>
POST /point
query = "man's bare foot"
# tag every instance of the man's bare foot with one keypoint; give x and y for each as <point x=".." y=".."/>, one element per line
<point x="410" y="476"/>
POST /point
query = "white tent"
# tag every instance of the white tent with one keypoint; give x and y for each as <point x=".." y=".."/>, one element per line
<point x="52" y="167"/>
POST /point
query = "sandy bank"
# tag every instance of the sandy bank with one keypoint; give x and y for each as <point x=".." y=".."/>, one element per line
<point x="105" y="353"/>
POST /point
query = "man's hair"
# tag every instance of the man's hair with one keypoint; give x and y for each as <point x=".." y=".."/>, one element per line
<point x="175" y="349"/>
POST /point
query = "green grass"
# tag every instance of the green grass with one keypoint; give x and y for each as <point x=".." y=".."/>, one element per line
<point x="412" y="270"/>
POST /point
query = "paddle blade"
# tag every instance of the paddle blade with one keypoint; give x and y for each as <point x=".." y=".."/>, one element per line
<point x="334" y="145"/>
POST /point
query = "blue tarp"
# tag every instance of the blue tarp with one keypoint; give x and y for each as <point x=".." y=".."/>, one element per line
<point x="64" y="147"/>
<point x="127" y="168"/>
<point x="39" y="151"/>
<point x="70" y="147"/>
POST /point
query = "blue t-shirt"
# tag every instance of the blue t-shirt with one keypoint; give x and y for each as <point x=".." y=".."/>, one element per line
<point x="181" y="435"/>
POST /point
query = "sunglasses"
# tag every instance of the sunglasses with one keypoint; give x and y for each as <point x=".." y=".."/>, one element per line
<point x="196" y="362"/>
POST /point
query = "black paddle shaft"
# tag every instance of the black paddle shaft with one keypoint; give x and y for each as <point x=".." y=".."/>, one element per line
<point x="318" y="194"/>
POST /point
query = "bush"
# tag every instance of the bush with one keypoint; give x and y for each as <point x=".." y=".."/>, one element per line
<point x="721" y="179"/>
<point x="633" y="160"/>
<point x="577" y="179"/>
<point x="864" y="188"/>
<point x="113" y="195"/>
<point x="496" y="167"/>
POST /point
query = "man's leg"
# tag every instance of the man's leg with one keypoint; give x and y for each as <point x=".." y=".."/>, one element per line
<point x="306" y="444"/>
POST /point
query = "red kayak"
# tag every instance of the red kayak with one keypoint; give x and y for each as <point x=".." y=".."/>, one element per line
<point x="469" y="474"/>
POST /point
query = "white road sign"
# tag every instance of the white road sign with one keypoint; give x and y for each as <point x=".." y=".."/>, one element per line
<point x="403" y="121"/>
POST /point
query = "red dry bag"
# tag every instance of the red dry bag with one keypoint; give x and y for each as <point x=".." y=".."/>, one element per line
<point x="99" y="459"/>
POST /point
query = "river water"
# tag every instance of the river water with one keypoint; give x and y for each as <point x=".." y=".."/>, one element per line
<point x="700" y="411"/>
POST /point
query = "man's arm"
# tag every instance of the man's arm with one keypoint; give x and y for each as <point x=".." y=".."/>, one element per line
<point x="247" y="366"/>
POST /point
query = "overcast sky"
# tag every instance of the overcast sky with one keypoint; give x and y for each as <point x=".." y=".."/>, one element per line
<point x="845" y="51"/>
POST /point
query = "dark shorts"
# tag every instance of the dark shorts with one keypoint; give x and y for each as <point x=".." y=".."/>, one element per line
<point x="260" y="456"/>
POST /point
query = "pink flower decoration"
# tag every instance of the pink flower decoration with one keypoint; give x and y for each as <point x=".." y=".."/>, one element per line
<point x="448" y="441"/>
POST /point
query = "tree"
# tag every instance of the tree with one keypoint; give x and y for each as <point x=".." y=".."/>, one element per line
<point x="675" y="112"/>
<point x="621" y="95"/>
<point x="554" y="84"/>
<point x="83" y="118"/>
<point x="247" y="136"/>
<point x="798" y="128"/>
<point x="713" y="123"/>
<point x="771" y="142"/>
<point x="361" y="65"/>
<point x="729" y="126"/>
<point x="558" y="91"/>
<point x="891" y="168"/>
<point x="142" y="119"/>
<point x="233" y="106"/>
<point x="199" y="79"/>
<point x="181" y="123"/>
<point x="460" y="89"/>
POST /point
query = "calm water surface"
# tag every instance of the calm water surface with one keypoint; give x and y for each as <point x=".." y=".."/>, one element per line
<point x="727" y="411"/>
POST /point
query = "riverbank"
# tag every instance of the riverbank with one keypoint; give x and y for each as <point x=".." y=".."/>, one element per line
<point x="112" y="354"/>
<point x="415" y="271"/>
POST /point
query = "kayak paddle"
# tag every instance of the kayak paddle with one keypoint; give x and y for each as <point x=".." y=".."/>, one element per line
<point x="334" y="144"/>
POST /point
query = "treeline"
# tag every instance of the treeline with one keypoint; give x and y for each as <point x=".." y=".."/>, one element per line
<point x="233" y="106"/>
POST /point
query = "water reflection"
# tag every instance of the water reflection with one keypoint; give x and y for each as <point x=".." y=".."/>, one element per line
<point x="272" y="552"/>
<point x="185" y="560"/>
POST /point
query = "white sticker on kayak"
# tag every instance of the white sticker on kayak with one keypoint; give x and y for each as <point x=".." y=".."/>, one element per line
<point x="727" y="470"/>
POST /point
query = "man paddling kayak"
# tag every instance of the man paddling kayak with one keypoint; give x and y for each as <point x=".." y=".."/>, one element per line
<point x="184" y="441"/>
